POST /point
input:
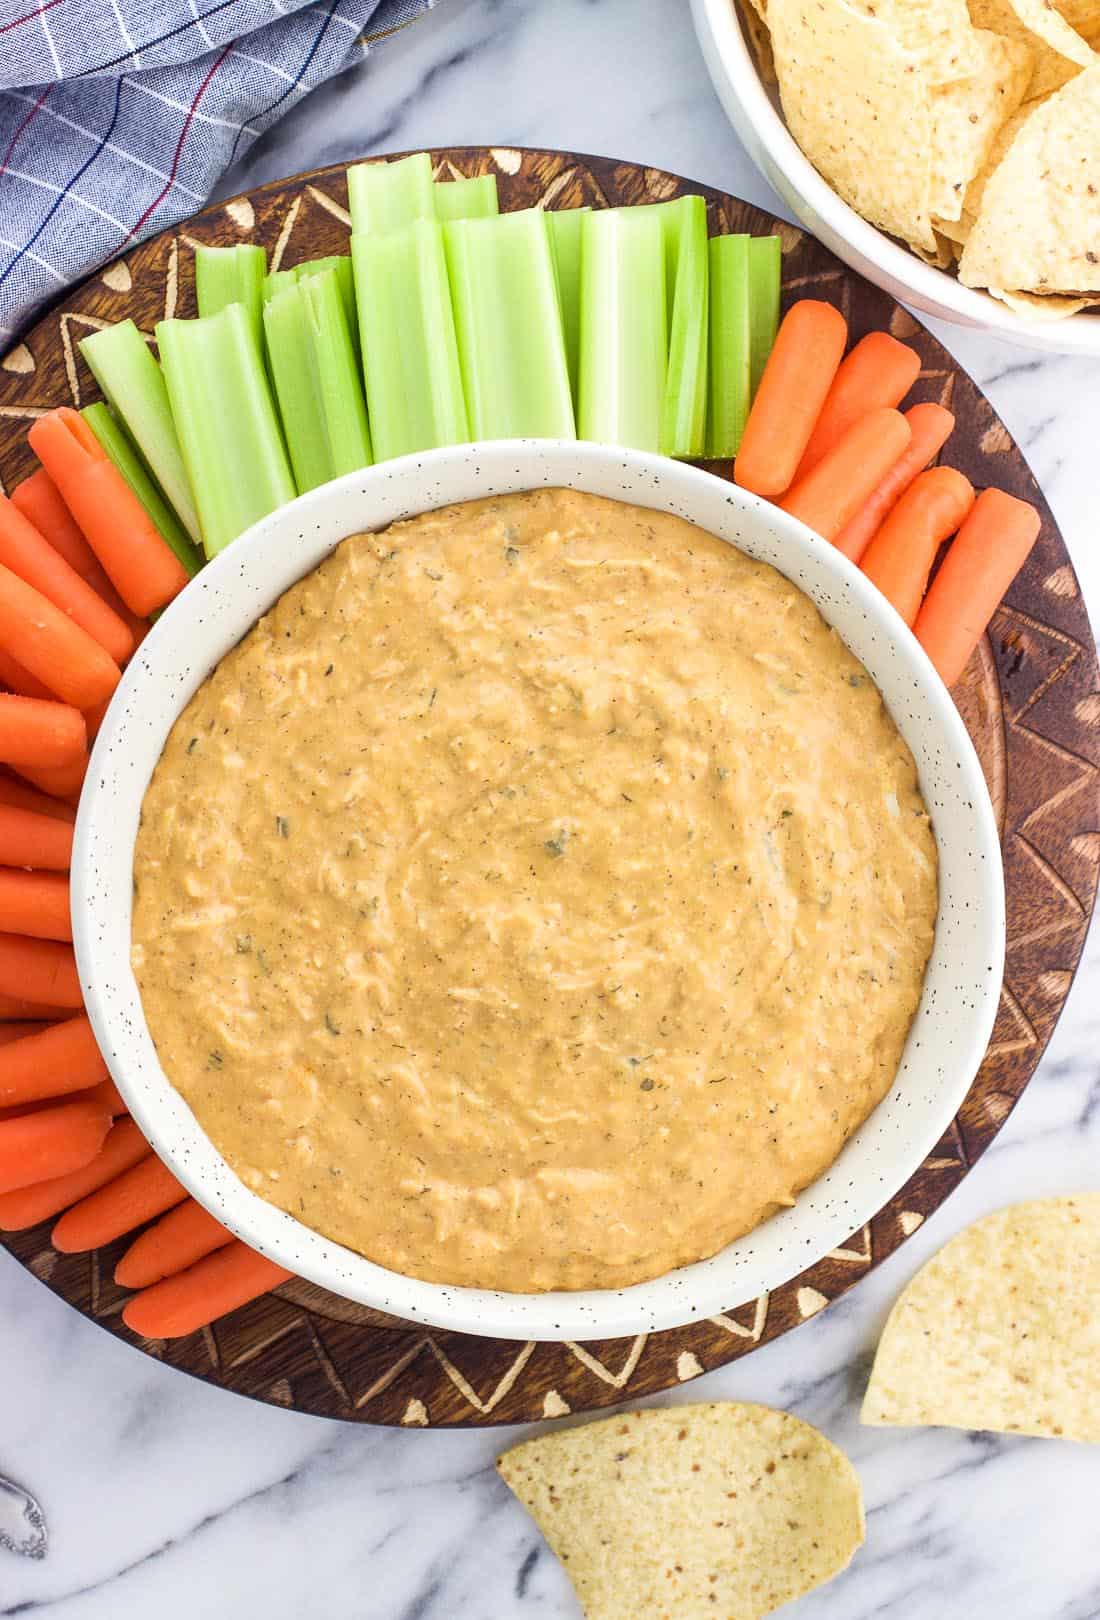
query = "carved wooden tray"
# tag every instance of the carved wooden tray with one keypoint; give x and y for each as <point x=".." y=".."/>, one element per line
<point x="1031" y="699"/>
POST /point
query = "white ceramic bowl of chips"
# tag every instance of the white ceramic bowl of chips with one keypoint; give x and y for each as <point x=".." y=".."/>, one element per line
<point x="949" y="1034"/>
<point x="759" y="123"/>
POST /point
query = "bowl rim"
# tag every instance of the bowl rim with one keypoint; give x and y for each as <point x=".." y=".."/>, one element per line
<point x="688" y="1294"/>
<point x="876" y="255"/>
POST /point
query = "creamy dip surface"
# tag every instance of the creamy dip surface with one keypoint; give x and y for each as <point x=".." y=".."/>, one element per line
<point x="537" y="897"/>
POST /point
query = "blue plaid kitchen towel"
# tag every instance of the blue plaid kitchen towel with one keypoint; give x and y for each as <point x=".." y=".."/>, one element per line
<point x="118" y="116"/>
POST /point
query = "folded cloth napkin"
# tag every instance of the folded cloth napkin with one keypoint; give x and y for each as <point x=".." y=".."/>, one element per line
<point x="118" y="116"/>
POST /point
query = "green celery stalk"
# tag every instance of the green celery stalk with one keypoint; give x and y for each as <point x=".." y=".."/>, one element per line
<point x="467" y="199"/>
<point x="127" y="372"/>
<point x="317" y="382"/>
<point x="624" y="342"/>
<point x="730" y="345"/>
<point x="683" y="417"/>
<point x="276" y="281"/>
<point x="410" y="352"/>
<point x="388" y="196"/>
<point x="231" y="275"/>
<point x="228" y="427"/>
<point x="564" y="226"/>
<point x="279" y="280"/>
<point x="765" y="272"/>
<point x="508" y="323"/>
<point x="123" y="453"/>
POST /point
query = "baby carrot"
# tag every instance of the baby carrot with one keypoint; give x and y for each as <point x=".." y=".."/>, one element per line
<point x="39" y="500"/>
<point x="16" y="1031"/>
<point x="45" y="641"/>
<point x="178" y="1239"/>
<point x="20" y="680"/>
<point x="35" y="903"/>
<point x="194" y="1298"/>
<point x="900" y="557"/>
<point x="123" y="1147"/>
<point x="60" y="1059"/>
<point x="37" y="1013"/>
<point x="26" y="553"/>
<point x="931" y="427"/>
<point x="110" y="1096"/>
<point x="808" y="349"/>
<point x="37" y="731"/>
<point x="42" y="970"/>
<point x="878" y="371"/>
<point x="140" y="564"/>
<point x="28" y="839"/>
<point x="982" y="561"/>
<point x="60" y="781"/>
<point x="20" y="797"/>
<point x="842" y="480"/>
<point x="51" y="1142"/>
<point x="132" y="1199"/>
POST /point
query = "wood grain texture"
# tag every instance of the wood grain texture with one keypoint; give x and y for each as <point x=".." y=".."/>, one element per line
<point x="1030" y="698"/>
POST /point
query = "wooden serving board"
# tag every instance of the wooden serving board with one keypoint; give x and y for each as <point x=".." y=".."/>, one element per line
<point x="1031" y="699"/>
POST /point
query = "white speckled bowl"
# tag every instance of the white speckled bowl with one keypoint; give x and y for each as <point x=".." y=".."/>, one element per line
<point x="766" y="138"/>
<point x="953" y="1023"/>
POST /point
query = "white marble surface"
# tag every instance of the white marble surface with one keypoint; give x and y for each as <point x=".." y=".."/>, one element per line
<point x="169" y="1499"/>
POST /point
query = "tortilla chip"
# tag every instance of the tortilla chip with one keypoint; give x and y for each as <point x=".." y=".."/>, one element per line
<point x="967" y="114"/>
<point x="759" y="40"/>
<point x="937" y="32"/>
<point x="859" y="109"/>
<point x="691" y="1511"/>
<point x="1001" y="1330"/>
<point x="1041" y="306"/>
<point x="1082" y="15"/>
<point x="1060" y="53"/>
<point x="1038" y="220"/>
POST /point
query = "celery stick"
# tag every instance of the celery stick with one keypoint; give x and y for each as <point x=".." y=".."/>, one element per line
<point x="277" y="281"/>
<point x="730" y="345"/>
<point x="624" y="342"/>
<point x="683" y="418"/>
<point x="126" y="371"/>
<point x="388" y="196"/>
<point x="232" y="275"/>
<point x="510" y="343"/>
<point x="228" y="427"/>
<point x="410" y="353"/>
<point x="564" y="226"/>
<point x="317" y="380"/>
<point x="765" y="270"/>
<point x="122" y="452"/>
<point x="467" y="199"/>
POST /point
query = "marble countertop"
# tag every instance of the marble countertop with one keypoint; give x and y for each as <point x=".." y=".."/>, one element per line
<point x="172" y="1499"/>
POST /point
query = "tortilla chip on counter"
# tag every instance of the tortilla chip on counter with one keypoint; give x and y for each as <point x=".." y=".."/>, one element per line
<point x="1001" y="1330"/>
<point x="1038" y="223"/>
<point x="688" y="1512"/>
<point x="859" y="111"/>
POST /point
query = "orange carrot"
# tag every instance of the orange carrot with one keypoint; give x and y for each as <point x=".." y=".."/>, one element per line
<point x="192" y="1299"/>
<point x="51" y="1142"/>
<point x="29" y="839"/>
<point x="123" y="1148"/>
<point x="982" y="561"/>
<point x="137" y="626"/>
<point x="134" y="1198"/>
<point x="796" y="381"/>
<point x="20" y="797"/>
<point x="140" y="564"/>
<point x="16" y="1031"/>
<point x="20" y="680"/>
<point x="61" y="781"/>
<point x="178" y="1239"/>
<point x="900" y="557"/>
<point x="110" y="1096"/>
<point x="878" y="371"/>
<point x="40" y="733"/>
<point x="42" y="970"/>
<point x="26" y="553"/>
<point x="62" y="1058"/>
<point x="35" y="903"/>
<point x="842" y="480"/>
<point x="931" y="426"/>
<point x="70" y="661"/>
<point x="39" y="500"/>
<point x="38" y="1013"/>
<point x="93" y="719"/>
